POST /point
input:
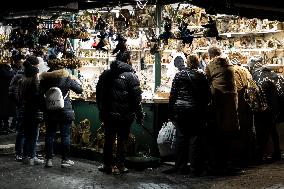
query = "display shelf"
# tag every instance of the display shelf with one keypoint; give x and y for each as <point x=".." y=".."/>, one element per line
<point x="93" y="57"/>
<point x="240" y="34"/>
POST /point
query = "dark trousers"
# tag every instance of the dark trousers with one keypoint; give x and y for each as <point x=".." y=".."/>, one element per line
<point x="265" y="127"/>
<point x="51" y="127"/>
<point x="20" y="138"/>
<point x="189" y="142"/>
<point x="113" y="129"/>
<point x="4" y="124"/>
<point x="31" y="128"/>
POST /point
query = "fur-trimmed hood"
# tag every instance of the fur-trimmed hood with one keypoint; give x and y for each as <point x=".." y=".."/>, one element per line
<point x="55" y="74"/>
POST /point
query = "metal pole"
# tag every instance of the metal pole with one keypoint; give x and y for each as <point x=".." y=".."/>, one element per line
<point x="157" y="68"/>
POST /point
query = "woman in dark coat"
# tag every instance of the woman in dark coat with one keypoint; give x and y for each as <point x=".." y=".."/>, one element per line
<point x="61" y="118"/>
<point x="189" y="99"/>
<point x="31" y="100"/>
<point x="6" y="75"/>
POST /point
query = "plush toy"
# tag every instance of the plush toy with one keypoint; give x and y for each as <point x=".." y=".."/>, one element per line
<point x="167" y="34"/>
<point x="185" y="34"/>
<point x="102" y="43"/>
<point x="211" y="30"/>
<point x="121" y="45"/>
<point x="100" y="24"/>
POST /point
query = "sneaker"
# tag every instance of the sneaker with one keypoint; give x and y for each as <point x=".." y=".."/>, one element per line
<point x="18" y="158"/>
<point x="35" y="161"/>
<point x="48" y="163"/>
<point x="67" y="163"/>
<point x="105" y="169"/>
<point x="38" y="161"/>
<point x="123" y="169"/>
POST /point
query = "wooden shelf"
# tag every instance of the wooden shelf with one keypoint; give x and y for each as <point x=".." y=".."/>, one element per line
<point x="93" y="57"/>
<point x="235" y="34"/>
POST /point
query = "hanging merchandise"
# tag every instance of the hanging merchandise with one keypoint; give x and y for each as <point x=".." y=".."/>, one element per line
<point x="211" y="30"/>
<point x="185" y="34"/>
<point x="167" y="34"/>
<point x="102" y="41"/>
<point x="100" y="25"/>
<point x="121" y="44"/>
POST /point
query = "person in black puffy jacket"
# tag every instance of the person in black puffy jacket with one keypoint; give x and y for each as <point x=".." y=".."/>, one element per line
<point x="62" y="118"/>
<point x="118" y="96"/>
<point x="188" y="102"/>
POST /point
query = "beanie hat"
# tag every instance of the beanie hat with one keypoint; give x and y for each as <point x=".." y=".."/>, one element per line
<point x="255" y="62"/>
<point x="31" y="60"/>
<point x="30" y="71"/>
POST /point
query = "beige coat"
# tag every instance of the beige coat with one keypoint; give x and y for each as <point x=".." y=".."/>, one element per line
<point x="220" y="74"/>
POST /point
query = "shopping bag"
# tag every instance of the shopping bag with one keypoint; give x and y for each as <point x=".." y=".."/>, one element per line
<point x="166" y="139"/>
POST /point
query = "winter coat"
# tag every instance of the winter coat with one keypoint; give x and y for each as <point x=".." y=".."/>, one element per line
<point x="6" y="104"/>
<point x="62" y="79"/>
<point x="273" y="86"/>
<point x="118" y="93"/>
<point x="30" y="98"/>
<point x="190" y="92"/>
<point x="14" y="87"/>
<point x="220" y="73"/>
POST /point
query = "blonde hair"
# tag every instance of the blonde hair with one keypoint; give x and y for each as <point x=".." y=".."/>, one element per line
<point x="192" y="61"/>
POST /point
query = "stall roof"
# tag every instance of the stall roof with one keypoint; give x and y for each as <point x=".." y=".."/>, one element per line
<point x="272" y="9"/>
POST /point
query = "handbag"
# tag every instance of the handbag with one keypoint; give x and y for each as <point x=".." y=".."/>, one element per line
<point x="167" y="139"/>
<point x="255" y="97"/>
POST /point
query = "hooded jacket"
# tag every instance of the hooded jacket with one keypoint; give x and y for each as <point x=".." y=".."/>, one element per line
<point x="118" y="93"/>
<point x="273" y="87"/>
<point x="62" y="79"/>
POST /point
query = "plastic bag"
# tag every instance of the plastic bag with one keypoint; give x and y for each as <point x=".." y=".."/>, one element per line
<point x="166" y="139"/>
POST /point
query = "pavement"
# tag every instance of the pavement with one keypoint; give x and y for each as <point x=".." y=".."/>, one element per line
<point x="85" y="175"/>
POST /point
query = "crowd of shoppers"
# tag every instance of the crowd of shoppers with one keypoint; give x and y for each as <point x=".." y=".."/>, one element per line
<point x="208" y="124"/>
<point x="206" y="104"/>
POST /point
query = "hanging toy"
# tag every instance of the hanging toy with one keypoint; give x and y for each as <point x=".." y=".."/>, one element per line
<point x="102" y="43"/>
<point x="154" y="45"/>
<point x="211" y="30"/>
<point x="121" y="45"/>
<point x="101" y="24"/>
<point x="167" y="34"/>
<point x="185" y="34"/>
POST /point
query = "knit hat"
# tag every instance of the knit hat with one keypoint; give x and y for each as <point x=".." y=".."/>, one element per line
<point x="255" y="62"/>
<point x="30" y="71"/>
<point x="31" y="60"/>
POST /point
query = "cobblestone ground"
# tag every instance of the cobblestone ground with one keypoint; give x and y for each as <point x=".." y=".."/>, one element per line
<point x="84" y="175"/>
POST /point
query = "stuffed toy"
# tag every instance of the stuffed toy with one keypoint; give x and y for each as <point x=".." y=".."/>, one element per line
<point x="167" y="34"/>
<point x="121" y="45"/>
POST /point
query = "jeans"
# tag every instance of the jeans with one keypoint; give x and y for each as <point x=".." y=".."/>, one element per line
<point x="51" y="127"/>
<point x="20" y="138"/>
<point x="31" y="129"/>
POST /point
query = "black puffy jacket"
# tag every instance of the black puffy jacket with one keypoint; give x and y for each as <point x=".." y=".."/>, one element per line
<point x="190" y="92"/>
<point x="63" y="80"/>
<point x="118" y="93"/>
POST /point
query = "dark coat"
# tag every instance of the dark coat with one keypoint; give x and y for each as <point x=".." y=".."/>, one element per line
<point x="7" y="106"/>
<point x="14" y="87"/>
<point x="63" y="80"/>
<point x="273" y="87"/>
<point x="190" y="92"/>
<point x="118" y="93"/>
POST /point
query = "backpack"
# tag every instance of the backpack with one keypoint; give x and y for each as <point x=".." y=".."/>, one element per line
<point x="255" y="97"/>
<point x="54" y="99"/>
